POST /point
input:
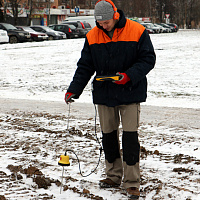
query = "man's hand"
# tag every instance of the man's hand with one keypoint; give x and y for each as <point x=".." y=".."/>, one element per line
<point x="68" y="97"/>
<point x="123" y="80"/>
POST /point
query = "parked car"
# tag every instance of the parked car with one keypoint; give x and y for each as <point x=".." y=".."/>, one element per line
<point x="160" y="30"/>
<point x="87" y="26"/>
<point x="173" y="25"/>
<point x="150" y="31"/>
<point x="53" y="35"/>
<point x="151" y="26"/>
<point x="79" y="26"/>
<point x="35" y="36"/>
<point x="63" y="35"/>
<point x="148" y="28"/>
<point x="14" y="34"/>
<point x="88" y="19"/>
<point x="160" y="27"/>
<point x="171" y="29"/>
<point x="4" y="36"/>
<point x="164" y="29"/>
<point x="69" y="29"/>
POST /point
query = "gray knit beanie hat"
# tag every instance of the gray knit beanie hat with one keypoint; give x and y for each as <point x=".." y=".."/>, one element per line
<point x="103" y="11"/>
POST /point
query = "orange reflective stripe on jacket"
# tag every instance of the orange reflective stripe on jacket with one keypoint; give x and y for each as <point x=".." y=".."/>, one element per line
<point x="98" y="36"/>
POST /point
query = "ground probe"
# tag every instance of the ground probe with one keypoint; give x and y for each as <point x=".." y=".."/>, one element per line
<point x="64" y="159"/>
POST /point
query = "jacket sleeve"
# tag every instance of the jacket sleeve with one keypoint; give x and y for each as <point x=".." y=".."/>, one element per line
<point x="83" y="72"/>
<point x="145" y="61"/>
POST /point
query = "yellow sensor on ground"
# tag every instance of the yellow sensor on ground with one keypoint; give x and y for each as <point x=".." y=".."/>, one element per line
<point x="64" y="160"/>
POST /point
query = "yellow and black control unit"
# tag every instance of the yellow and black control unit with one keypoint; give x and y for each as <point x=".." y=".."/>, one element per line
<point x="64" y="160"/>
<point x="109" y="78"/>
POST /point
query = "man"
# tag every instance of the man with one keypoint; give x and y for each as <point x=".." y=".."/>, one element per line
<point x="116" y="46"/>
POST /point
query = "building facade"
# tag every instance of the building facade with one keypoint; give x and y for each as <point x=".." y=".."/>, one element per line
<point x="45" y="12"/>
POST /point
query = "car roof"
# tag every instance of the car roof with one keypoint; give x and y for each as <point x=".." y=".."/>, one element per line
<point x="65" y="22"/>
<point x="59" y="24"/>
<point x="89" y="19"/>
<point x="38" y="26"/>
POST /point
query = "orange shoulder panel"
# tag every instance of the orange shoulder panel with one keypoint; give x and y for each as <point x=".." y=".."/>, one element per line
<point x="97" y="36"/>
<point x="131" y="32"/>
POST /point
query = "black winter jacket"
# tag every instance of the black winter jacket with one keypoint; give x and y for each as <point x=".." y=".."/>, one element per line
<point x="130" y="50"/>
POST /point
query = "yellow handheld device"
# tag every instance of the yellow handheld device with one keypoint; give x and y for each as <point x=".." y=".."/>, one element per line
<point x="109" y="78"/>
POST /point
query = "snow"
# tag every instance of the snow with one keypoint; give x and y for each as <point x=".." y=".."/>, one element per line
<point x="44" y="70"/>
<point x="175" y="79"/>
<point x="40" y="72"/>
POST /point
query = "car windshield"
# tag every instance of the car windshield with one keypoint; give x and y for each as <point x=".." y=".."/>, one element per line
<point x="157" y="25"/>
<point x="166" y="26"/>
<point x="150" y="25"/>
<point x="146" y="25"/>
<point x="47" y="29"/>
<point x="28" y="29"/>
<point x="72" y="26"/>
<point x="10" y="27"/>
<point x="87" y="25"/>
<point x="72" y="23"/>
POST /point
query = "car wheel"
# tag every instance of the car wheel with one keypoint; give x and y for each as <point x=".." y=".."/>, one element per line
<point x="13" y="39"/>
<point x="50" y="37"/>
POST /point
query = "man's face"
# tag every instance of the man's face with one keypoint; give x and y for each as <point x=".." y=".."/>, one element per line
<point x="107" y="24"/>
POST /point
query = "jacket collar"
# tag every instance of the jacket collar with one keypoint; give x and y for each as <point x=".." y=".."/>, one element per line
<point x="120" y="24"/>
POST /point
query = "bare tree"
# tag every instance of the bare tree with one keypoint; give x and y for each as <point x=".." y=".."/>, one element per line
<point x="1" y="11"/>
<point x="183" y="12"/>
<point x="33" y="5"/>
<point x="14" y="6"/>
<point x="193" y="14"/>
<point x="30" y="7"/>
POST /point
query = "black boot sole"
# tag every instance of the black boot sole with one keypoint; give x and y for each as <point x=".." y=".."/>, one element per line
<point x="104" y="185"/>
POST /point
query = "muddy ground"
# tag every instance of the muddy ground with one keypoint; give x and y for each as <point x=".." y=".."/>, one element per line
<point x="33" y="135"/>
